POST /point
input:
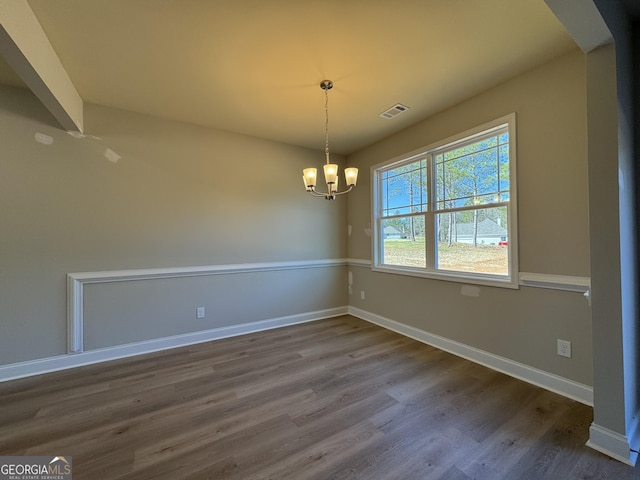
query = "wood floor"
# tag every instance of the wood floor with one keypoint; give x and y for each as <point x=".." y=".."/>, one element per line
<point x="333" y="399"/>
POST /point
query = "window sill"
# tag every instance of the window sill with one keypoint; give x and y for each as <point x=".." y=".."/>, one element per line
<point x="477" y="279"/>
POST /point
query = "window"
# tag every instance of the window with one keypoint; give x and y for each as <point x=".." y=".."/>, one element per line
<point x="449" y="210"/>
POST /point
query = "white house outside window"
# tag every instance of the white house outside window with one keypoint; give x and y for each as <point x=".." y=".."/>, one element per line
<point x="449" y="210"/>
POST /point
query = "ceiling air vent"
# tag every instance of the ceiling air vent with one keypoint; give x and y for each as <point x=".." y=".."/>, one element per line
<point x="394" y="111"/>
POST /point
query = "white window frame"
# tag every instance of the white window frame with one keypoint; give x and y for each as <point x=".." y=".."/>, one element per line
<point x="511" y="279"/>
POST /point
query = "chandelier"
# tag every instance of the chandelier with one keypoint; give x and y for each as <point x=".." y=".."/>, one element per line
<point x="310" y="175"/>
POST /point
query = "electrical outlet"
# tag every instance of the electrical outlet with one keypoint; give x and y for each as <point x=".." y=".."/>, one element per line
<point x="564" y="348"/>
<point x="361" y="294"/>
<point x="200" y="312"/>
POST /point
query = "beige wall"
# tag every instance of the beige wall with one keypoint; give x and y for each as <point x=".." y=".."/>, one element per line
<point x="181" y="196"/>
<point x="178" y="196"/>
<point x="133" y="311"/>
<point x="523" y="325"/>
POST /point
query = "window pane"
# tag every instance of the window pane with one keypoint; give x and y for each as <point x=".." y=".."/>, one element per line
<point x="504" y="168"/>
<point x="473" y="241"/>
<point x="403" y="241"/>
<point x="475" y="174"/>
<point x="472" y="147"/>
<point x="404" y="189"/>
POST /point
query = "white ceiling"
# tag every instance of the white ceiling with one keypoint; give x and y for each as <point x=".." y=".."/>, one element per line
<point x="254" y="66"/>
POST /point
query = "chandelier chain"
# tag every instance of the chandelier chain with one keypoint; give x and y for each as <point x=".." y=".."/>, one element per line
<point x="326" y="123"/>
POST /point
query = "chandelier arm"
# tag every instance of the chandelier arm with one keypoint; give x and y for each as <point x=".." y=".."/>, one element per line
<point x="316" y="193"/>
<point x="344" y="191"/>
<point x="328" y="195"/>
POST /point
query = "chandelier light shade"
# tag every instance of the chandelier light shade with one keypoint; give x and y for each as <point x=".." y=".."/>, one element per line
<point x="310" y="175"/>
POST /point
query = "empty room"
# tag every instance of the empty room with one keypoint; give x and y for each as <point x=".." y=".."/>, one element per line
<point x="319" y="239"/>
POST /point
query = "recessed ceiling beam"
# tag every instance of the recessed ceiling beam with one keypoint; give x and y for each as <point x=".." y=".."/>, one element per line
<point x="583" y="21"/>
<point x="26" y="48"/>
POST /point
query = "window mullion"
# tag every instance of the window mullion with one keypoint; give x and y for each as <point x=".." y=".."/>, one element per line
<point x="429" y="219"/>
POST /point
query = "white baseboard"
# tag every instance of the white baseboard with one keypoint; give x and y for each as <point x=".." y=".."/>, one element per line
<point x="601" y="439"/>
<point x="568" y="388"/>
<point x="612" y="444"/>
<point x="73" y="360"/>
<point x="563" y="386"/>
